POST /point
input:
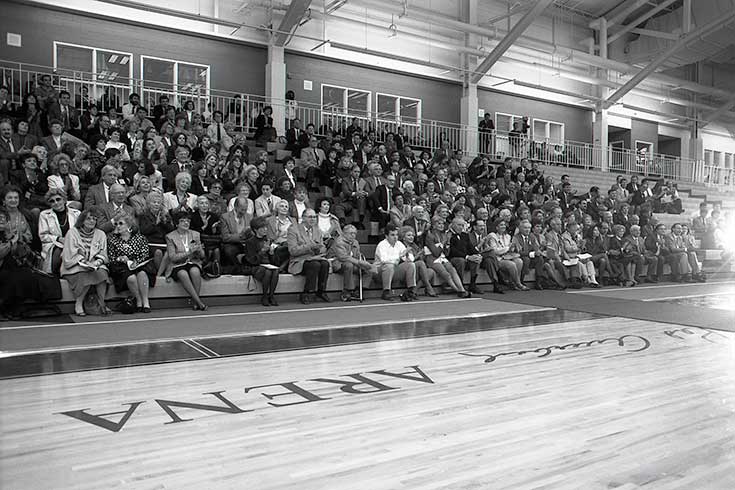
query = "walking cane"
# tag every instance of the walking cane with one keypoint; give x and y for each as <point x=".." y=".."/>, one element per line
<point x="359" y="272"/>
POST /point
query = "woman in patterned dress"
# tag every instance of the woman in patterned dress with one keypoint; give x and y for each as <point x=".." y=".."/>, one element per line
<point x="129" y="265"/>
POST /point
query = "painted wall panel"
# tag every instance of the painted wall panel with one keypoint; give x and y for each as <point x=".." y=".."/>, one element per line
<point x="641" y="130"/>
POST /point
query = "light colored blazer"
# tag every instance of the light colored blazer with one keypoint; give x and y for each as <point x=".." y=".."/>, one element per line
<point x="309" y="159"/>
<point x="225" y="142"/>
<point x="228" y="227"/>
<point x="299" y="246"/>
<point x="57" y="182"/>
<point x="49" y="231"/>
<point x="176" y="251"/>
<point x="261" y="205"/>
<point x="74" y="251"/>
<point x="170" y="201"/>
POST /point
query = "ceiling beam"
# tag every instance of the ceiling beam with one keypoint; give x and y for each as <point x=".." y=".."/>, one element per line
<point x="709" y="28"/>
<point x="716" y="114"/>
<point x="639" y="20"/>
<point x="290" y="21"/>
<point x="618" y="13"/>
<point x="510" y="38"/>
<point x="658" y="34"/>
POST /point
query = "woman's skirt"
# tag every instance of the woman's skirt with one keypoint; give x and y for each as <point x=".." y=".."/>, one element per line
<point x="80" y="280"/>
<point x="183" y="267"/>
<point x="120" y="274"/>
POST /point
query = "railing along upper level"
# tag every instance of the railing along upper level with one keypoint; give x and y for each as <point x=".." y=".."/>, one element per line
<point x="241" y="110"/>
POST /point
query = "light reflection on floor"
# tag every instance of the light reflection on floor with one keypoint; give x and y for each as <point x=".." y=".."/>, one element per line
<point x="721" y="301"/>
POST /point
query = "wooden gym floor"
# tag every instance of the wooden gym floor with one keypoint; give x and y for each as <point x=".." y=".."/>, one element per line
<point x="592" y="389"/>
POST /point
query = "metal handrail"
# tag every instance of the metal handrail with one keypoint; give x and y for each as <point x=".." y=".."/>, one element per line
<point x="241" y="109"/>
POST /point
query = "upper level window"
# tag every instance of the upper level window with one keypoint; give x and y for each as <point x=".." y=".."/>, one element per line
<point x="95" y="70"/>
<point x="504" y="122"/>
<point x="181" y="81"/>
<point x="401" y="110"/>
<point x="548" y="131"/>
<point x="341" y="104"/>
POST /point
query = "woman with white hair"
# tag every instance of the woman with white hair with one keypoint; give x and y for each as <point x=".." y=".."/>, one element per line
<point x="130" y="268"/>
<point x="53" y="225"/>
<point x="180" y="199"/>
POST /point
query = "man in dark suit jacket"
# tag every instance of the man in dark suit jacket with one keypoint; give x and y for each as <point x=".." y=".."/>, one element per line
<point x="180" y="164"/>
<point x="354" y="198"/>
<point x="521" y="243"/>
<point x="565" y="197"/>
<point x="53" y="142"/>
<point x="383" y="199"/>
<point x="98" y="195"/>
<point x="293" y="136"/>
<point x="10" y="145"/>
<point x="462" y="254"/>
<point x="160" y="110"/>
<point x="63" y="111"/>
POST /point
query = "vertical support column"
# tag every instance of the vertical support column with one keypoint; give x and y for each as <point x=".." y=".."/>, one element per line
<point x="275" y="86"/>
<point x="469" y="105"/>
<point x="599" y="125"/>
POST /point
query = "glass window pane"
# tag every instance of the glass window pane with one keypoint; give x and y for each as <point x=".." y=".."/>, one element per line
<point x="192" y="78"/>
<point x="539" y="130"/>
<point x="333" y="99"/>
<point x="556" y="133"/>
<point x="113" y="67"/>
<point x="73" y="58"/>
<point x="386" y="107"/>
<point x="357" y="102"/>
<point x="410" y="110"/>
<point x="158" y="74"/>
<point x="503" y="123"/>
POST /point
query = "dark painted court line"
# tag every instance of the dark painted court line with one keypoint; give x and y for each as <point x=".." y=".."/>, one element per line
<point x="204" y="348"/>
<point x="677" y="314"/>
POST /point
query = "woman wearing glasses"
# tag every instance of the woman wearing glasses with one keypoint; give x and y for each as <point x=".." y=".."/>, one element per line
<point x="130" y="267"/>
<point x="53" y="225"/>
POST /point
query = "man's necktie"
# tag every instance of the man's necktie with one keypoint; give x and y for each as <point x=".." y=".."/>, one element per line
<point x="387" y="193"/>
<point x="270" y="204"/>
<point x="219" y="132"/>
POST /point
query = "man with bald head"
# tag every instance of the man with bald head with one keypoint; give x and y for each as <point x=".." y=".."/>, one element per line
<point x="116" y="205"/>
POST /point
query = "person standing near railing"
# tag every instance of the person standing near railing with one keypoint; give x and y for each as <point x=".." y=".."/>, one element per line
<point x="487" y="131"/>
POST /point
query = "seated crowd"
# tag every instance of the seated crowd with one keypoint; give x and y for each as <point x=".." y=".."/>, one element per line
<point x="99" y="199"/>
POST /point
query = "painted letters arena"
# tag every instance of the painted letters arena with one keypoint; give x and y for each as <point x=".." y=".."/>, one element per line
<point x="367" y="245"/>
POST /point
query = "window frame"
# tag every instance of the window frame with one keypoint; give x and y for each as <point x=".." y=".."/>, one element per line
<point x="174" y="94"/>
<point x="512" y="117"/>
<point x="398" y="120"/>
<point x="547" y="139"/>
<point x="94" y="82"/>
<point x="345" y="109"/>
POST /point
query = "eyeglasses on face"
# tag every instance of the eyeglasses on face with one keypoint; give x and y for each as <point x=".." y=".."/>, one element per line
<point x="55" y="200"/>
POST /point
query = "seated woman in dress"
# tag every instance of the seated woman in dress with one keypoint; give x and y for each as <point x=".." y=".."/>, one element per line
<point x="155" y="223"/>
<point x="180" y="199"/>
<point x="185" y="254"/>
<point x="207" y="224"/>
<point x="327" y="222"/>
<point x="60" y="178"/>
<point x="423" y="273"/>
<point x="141" y="189"/>
<point x="258" y="260"/>
<point x="18" y="217"/>
<point x="436" y="243"/>
<point x="53" y="225"/>
<point x="84" y="261"/>
<point x="18" y="281"/>
<point x="130" y="267"/>
<point x="508" y="261"/>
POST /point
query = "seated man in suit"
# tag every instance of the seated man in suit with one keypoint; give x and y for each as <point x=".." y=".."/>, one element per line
<point x="292" y="138"/>
<point x="478" y="239"/>
<point x="383" y="199"/>
<point x="116" y="204"/>
<point x="266" y="204"/>
<point x="311" y="161"/>
<point x="98" y="195"/>
<point x="353" y="199"/>
<point x="53" y="142"/>
<point x="394" y="261"/>
<point x="462" y="254"/>
<point x="10" y="145"/>
<point x="346" y="253"/>
<point x="62" y="110"/>
<point x="308" y="257"/>
<point x="234" y="228"/>
<point x="522" y="244"/>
